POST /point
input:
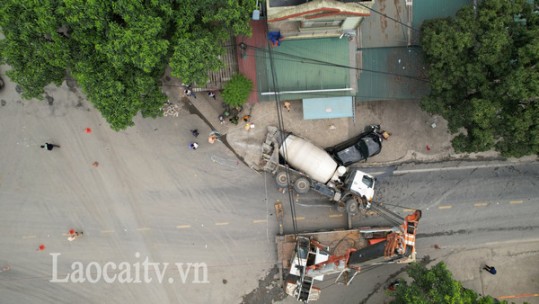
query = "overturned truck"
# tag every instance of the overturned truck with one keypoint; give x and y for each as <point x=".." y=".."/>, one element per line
<point x="298" y="163"/>
<point x="309" y="257"/>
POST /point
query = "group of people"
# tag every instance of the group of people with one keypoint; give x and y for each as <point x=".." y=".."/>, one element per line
<point x="214" y="136"/>
<point x="194" y="145"/>
<point x="189" y="92"/>
<point x="73" y="235"/>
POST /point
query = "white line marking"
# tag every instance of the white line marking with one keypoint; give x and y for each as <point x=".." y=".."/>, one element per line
<point x="445" y="207"/>
<point x="408" y="210"/>
<point x="335" y="215"/>
<point x="183" y="226"/>
<point x="480" y="204"/>
<point x="222" y="224"/>
<point x="259" y="221"/>
<point x="300" y="218"/>
<point x="398" y="172"/>
<point x="516" y="202"/>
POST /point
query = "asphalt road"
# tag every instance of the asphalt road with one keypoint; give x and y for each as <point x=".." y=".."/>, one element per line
<point x="152" y="200"/>
<point x="465" y="205"/>
<point x="149" y="197"/>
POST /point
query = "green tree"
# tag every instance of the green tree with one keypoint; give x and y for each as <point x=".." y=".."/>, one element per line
<point x="483" y="69"/>
<point x="435" y="285"/>
<point x="117" y="50"/>
<point x="237" y="90"/>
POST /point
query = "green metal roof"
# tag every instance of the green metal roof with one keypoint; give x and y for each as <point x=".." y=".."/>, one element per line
<point x="430" y="9"/>
<point x="392" y="73"/>
<point x="305" y="64"/>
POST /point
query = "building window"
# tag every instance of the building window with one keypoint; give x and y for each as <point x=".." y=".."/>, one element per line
<point x="320" y="23"/>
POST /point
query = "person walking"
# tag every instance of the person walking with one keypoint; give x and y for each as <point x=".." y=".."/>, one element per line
<point x="193" y="146"/>
<point x="73" y="235"/>
<point x="189" y="92"/>
<point x="195" y="132"/>
<point x="211" y="94"/>
<point x="49" y="146"/>
<point x="490" y="269"/>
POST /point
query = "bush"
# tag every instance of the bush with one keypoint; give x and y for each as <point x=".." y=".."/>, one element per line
<point x="237" y="90"/>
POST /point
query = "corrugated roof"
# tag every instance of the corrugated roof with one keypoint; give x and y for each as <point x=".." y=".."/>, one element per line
<point x="306" y="64"/>
<point x="430" y="9"/>
<point x="384" y="50"/>
<point x="392" y="73"/>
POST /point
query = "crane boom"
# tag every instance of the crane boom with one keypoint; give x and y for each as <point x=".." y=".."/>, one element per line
<point x="393" y="245"/>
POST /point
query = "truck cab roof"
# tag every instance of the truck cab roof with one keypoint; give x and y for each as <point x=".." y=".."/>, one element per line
<point x="361" y="184"/>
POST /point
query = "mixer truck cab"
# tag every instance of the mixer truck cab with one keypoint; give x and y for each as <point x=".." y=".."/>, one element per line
<point x="361" y="184"/>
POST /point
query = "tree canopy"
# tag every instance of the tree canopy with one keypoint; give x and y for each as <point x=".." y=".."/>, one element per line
<point x="436" y="285"/>
<point x="237" y="90"/>
<point x="483" y="68"/>
<point x="117" y="50"/>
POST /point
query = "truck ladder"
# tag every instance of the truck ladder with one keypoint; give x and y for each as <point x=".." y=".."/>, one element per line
<point x="305" y="289"/>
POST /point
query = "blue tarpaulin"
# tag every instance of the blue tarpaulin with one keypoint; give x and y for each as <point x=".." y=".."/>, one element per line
<point x="275" y="38"/>
<point x="329" y="107"/>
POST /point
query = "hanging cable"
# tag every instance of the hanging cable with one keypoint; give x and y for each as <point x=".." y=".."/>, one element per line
<point x="281" y="129"/>
<point x="307" y="60"/>
<point x="390" y="18"/>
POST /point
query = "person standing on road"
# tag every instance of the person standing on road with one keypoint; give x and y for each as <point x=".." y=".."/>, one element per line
<point x="193" y="146"/>
<point x="490" y="269"/>
<point x="74" y="235"/>
<point x="49" y="146"/>
<point x="195" y="132"/>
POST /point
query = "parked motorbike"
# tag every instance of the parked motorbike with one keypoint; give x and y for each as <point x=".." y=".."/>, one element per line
<point x="232" y="113"/>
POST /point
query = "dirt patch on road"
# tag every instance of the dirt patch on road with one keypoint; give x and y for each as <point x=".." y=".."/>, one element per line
<point x="268" y="290"/>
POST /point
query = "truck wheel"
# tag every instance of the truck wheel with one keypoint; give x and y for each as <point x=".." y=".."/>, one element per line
<point x="281" y="179"/>
<point x="351" y="206"/>
<point x="302" y="185"/>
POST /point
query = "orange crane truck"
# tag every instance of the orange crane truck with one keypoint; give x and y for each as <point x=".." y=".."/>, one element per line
<point x="308" y="257"/>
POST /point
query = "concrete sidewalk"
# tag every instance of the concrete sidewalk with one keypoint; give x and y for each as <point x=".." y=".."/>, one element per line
<point x="515" y="280"/>
<point x="413" y="136"/>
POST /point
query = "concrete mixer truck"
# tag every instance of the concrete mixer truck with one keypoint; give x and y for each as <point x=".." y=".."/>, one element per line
<point x="298" y="163"/>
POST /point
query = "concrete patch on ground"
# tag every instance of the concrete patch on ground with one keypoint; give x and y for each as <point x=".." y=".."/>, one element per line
<point x="268" y="290"/>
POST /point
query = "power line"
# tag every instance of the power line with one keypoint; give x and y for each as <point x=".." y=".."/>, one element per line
<point x="281" y="128"/>
<point x="321" y="94"/>
<point x="307" y="60"/>
<point x="390" y="18"/>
